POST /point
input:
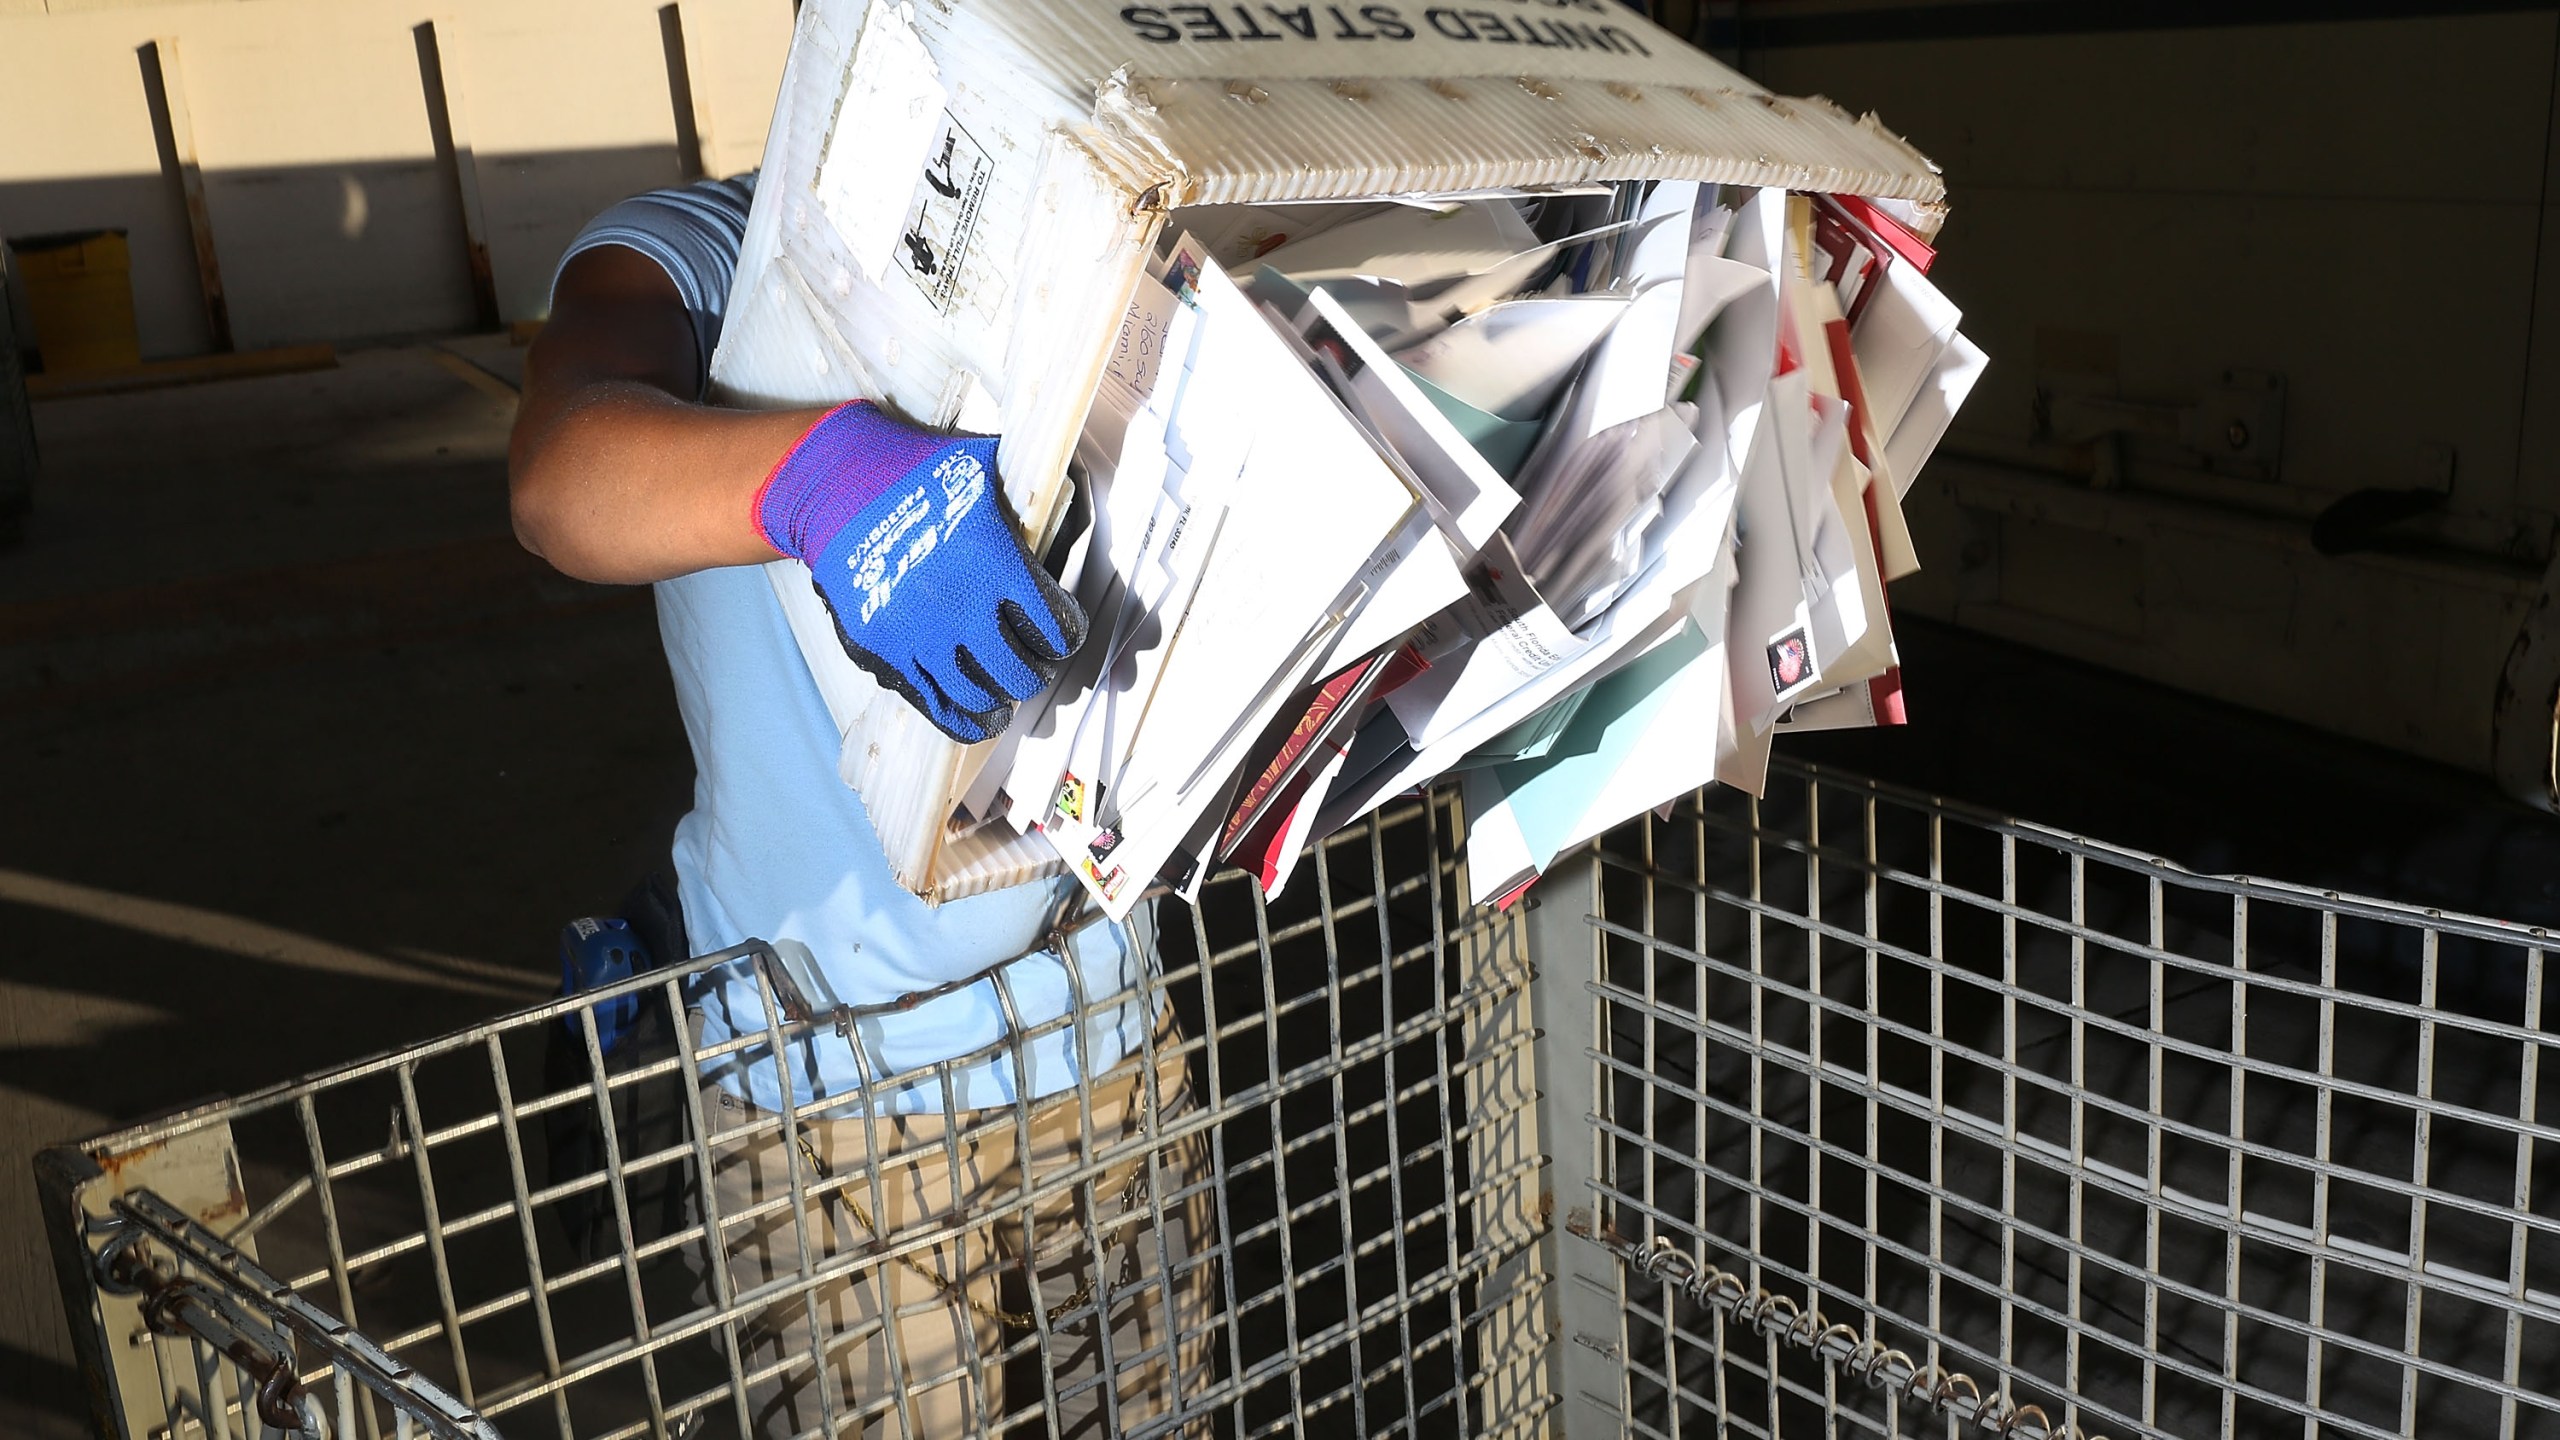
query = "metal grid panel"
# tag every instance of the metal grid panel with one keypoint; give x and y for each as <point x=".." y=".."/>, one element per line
<point x="2054" y="1136"/>
<point x="1361" y="1060"/>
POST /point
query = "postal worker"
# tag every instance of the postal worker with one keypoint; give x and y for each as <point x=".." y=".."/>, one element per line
<point x="989" y="1087"/>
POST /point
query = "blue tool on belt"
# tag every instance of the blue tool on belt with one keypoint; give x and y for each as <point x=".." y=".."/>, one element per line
<point x="596" y="952"/>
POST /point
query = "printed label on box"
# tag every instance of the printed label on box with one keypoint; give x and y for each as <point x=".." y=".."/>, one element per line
<point x="943" y="216"/>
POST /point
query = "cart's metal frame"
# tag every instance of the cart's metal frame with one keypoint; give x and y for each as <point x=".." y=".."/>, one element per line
<point x="1906" y="1118"/>
<point x="1844" y="1111"/>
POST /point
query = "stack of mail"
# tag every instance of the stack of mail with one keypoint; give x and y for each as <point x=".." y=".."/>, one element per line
<point x="1578" y="495"/>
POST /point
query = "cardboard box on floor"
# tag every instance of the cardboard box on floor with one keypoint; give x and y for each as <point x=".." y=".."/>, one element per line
<point x="957" y="198"/>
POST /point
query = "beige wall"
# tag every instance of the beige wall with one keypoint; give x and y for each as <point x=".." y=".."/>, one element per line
<point x="335" y="210"/>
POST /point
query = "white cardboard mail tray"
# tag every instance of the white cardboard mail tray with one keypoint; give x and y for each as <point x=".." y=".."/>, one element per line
<point x="958" y="197"/>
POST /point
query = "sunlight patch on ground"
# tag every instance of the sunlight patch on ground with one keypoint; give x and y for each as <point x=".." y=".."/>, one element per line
<point x="256" y="940"/>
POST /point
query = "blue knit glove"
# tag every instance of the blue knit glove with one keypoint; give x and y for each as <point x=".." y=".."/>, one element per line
<point x="906" y="539"/>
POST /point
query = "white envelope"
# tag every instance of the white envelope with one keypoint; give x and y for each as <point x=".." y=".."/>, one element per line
<point x="1896" y="555"/>
<point x="1510" y="638"/>
<point x="1409" y="245"/>
<point x="1852" y="641"/>
<point x="1415" y="576"/>
<point x="1769" y="624"/>
<point x="1164" y="526"/>
<point x="1900" y="336"/>
<point x="1460" y="482"/>
<point x="1310" y="508"/>
<point x="1630" y="373"/>
<point x="1949" y="382"/>
<point x="1712" y="285"/>
<point x="1852" y="707"/>
<point x="1513" y="358"/>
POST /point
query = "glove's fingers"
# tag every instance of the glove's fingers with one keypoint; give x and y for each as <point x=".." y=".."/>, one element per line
<point x="1000" y="671"/>
<point x="920" y="690"/>
<point x="1043" y="624"/>
<point x="914" y="686"/>
<point x="1050" y="626"/>
<point x="964" y="686"/>
<point x="964" y="723"/>
<point x="927" y="698"/>
<point x="1024" y="643"/>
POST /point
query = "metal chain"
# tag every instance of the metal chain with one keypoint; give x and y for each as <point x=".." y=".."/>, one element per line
<point x="177" y="1305"/>
<point x="1949" y="1392"/>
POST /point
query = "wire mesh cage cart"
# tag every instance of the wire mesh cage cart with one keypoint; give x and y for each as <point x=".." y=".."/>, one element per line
<point x="1839" y="1112"/>
<point x="470" y="1239"/>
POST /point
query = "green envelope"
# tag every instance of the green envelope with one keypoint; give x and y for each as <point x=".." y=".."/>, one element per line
<point x="1548" y="796"/>
<point x="1504" y="444"/>
<point x="1532" y="739"/>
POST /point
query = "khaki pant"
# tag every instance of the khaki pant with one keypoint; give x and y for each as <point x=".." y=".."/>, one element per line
<point x="1111" y="1230"/>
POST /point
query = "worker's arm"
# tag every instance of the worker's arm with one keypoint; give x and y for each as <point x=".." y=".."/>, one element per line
<point x="613" y="473"/>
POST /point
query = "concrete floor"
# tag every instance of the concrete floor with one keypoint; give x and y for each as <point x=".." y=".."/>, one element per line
<point x="302" y="758"/>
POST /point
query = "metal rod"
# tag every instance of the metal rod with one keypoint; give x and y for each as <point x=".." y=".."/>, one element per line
<point x="215" y="1314"/>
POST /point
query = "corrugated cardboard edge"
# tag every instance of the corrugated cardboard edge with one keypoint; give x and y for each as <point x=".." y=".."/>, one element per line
<point x="1216" y="141"/>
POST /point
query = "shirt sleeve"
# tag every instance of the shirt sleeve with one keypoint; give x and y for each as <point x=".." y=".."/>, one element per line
<point x="694" y="232"/>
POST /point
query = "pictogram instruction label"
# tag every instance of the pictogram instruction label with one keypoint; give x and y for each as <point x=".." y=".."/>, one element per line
<point x="943" y="217"/>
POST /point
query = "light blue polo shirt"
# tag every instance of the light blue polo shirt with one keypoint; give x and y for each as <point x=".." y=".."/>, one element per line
<point x="778" y="848"/>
